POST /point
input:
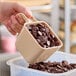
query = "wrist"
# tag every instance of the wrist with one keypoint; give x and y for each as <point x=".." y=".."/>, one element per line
<point x="0" y="10"/>
<point x="1" y="7"/>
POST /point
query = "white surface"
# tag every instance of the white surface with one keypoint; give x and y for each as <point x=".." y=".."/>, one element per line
<point x="18" y="66"/>
<point x="67" y="25"/>
<point x="43" y="7"/>
<point x="54" y="21"/>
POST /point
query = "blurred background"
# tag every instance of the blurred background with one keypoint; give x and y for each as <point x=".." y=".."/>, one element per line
<point x="51" y="11"/>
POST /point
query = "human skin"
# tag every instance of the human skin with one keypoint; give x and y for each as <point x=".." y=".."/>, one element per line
<point x="8" y="12"/>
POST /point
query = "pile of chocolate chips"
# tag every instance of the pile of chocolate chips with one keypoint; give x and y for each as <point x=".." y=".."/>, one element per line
<point x="53" y="67"/>
<point x="43" y="35"/>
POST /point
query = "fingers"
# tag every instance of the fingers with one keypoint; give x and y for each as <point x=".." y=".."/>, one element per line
<point x="20" y="9"/>
<point x="14" y="26"/>
<point x="21" y="18"/>
<point x="9" y="28"/>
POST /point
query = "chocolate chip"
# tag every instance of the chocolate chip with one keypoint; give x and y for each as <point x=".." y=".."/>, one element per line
<point x="58" y="66"/>
<point x="40" y="33"/>
<point x="73" y="65"/>
<point x="47" y="30"/>
<point x="64" y="63"/>
<point x="65" y="69"/>
<point x="43" y="35"/>
<point x="45" y="46"/>
<point x="53" y="67"/>
<point x="30" y="29"/>
<point x="34" y="33"/>
<point x="38" y="40"/>
<point x="48" y="43"/>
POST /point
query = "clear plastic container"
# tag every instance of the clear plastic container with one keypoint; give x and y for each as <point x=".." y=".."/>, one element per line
<point x="18" y="66"/>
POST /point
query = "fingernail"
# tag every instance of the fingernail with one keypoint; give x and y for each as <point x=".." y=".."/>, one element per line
<point x="13" y="20"/>
<point x="8" y="23"/>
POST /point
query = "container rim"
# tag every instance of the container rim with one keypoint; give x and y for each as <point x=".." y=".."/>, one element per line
<point x="46" y="73"/>
<point x="10" y="63"/>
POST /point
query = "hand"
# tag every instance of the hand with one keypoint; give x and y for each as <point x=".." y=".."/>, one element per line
<point x="8" y="12"/>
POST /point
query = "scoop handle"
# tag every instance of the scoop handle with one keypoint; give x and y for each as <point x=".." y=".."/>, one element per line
<point x="33" y="19"/>
<point x="23" y="17"/>
<point x="26" y="20"/>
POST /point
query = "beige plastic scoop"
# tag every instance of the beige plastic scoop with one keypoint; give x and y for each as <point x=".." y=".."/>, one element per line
<point x="30" y="48"/>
